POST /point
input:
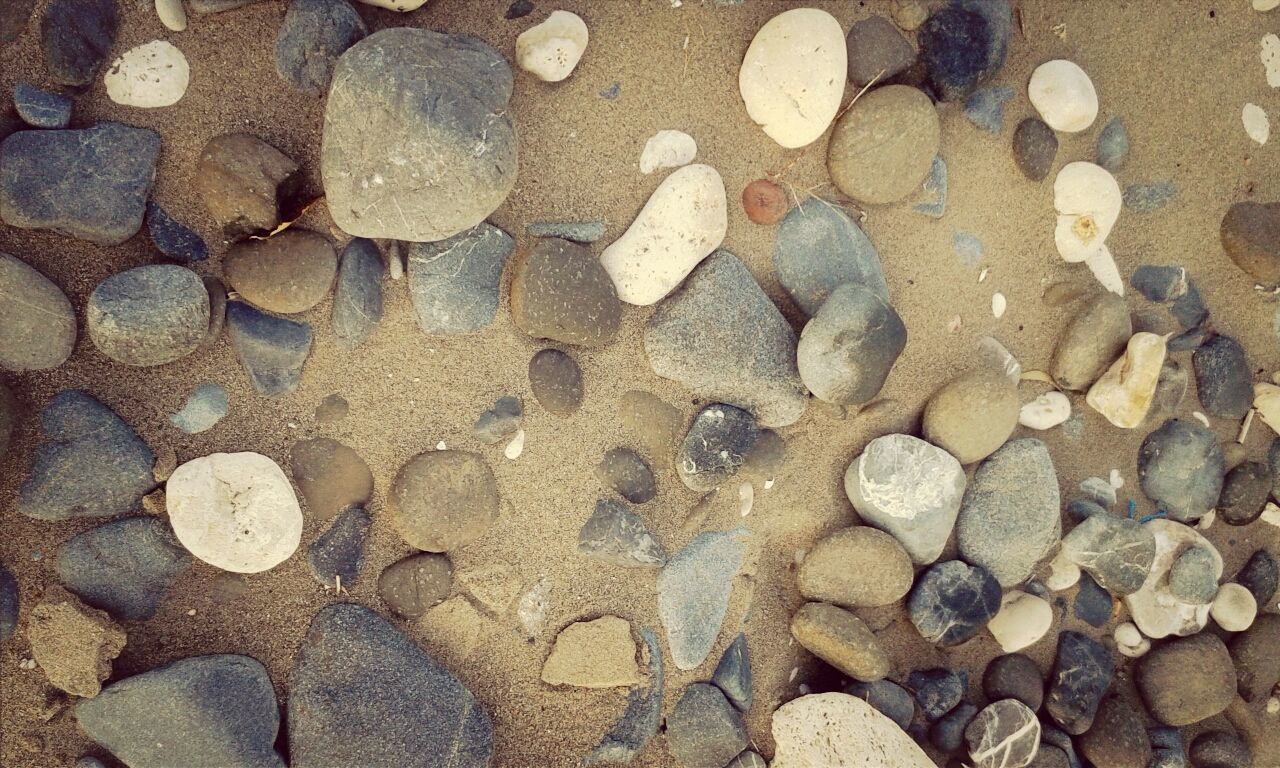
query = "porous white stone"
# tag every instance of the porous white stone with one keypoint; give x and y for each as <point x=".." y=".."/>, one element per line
<point x="836" y="730"/>
<point x="1256" y="123"/>
<point x="1088" y="201"/>
<point x="1271" y="58"/>
<point x="153" y="74"/>
<point x="1064" y="96"/>
<point x="550" y="50"/>
<point x="667" y="149"/>
<point x="404" y="6"/>
<point x="1046" y="411"/>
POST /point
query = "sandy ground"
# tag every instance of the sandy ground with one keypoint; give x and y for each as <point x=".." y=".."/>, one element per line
<point x="1178" y="73"/>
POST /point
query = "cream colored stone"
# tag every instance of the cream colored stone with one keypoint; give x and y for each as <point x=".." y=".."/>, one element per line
<point x="1088" y="200"/>
<point x="1063" y="574"/>
<point x="1234" y="607"/>
<point x="836" y="730"/>
<point x="1125" y="391"/>
<point x="1256" y="123"/>
<point x="1266" y="399"/>
<point x="172" y="15"/>
<point x="552" y="49"/>
<point x="1046" y="411"/>
<point x="153" y="74"/>
<point x="667" y="149"/>
<point x="404" y="6"/>
<point x="1063" y="95"/>
<point x="1154" y="608"/>
<point x="593" y="654"/>
<point x="1022" y="620"/>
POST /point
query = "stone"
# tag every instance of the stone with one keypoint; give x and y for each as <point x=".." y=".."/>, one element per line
<point x="716" y="446"/>
<point x="1009" y="520"/>
<point x="640" y="720"/>
<point x="855" y="567"/>
<point x="172" y="15"/>
<point x="13" y="21"/>
<point x="205" y="407"/>
<point x="49" y="176"/>
<point x="733" y="674"/>
<point x="1145" y="198"/>
<point x="1189" y="308"/>
<point x="1159" y="283"/>
<point x="332" y="408"/>
<point x="336" y="557"/>
<point x="416" y="583"/>
<point x="9" y="603"/>
<point x="443" y="500"/>
<point x="792" y="76"/>
<point x="835" y="729"/>
<point x="1034" y="148"/>
<point x="1187" y="680"/>
<point x="1021" y="621"/>
<point x="75" y="36"/>
<point x="1005" y="734"/>
<point x="217" y="309"/>
<point x="952" y="601"/>
<point x="499" y="422"/>
<point x="1081" y="675"/>
<point x="151" y="75"/>
<point x="694" y="590"/>
<point x="593" y="654"/>
<point x="560" y="292"/>
<point x="882" y="149"/>
<point x="357" y="299"/>
<point x="972" y="415"/>
<point x="89" y="464"/>
<point x="1234" y="608"/>
<point x="722" y="338"/>
<point x="964" y="44"/>
<point x="1093" y="604"/>
<point x="667" y="149"/>
<point x="124" y="567"/>
<point x="311" y="38"/>
<point x="1181" y="468"/>
<point x="577" y="231"/>
<point x="201" y="710"/>
<point x="1063" y="95"/>
<point x="356" y="680"/>
<point x="748" y="759"/>
<point x="841" y="639"/>
<point x="654" y="422"/>
<point x="1160" y="608"/>
<point x="550" y="50"/>
<point x="765" y="202"/>
<point x="847" y="350"/>
<point x="947" y="734"/>
<point x="1117" y="737"/>
<point x="985" y="107"/>
<point x="556" y="382"/>
<point x="72" y="643"/>
<point x="1050" y="756"/>
<point x="1046" y="411"/>
<point x="817" y="249"/>
<point x="1244" y="492"/>
<point x="703" y="729"/>
<point x="454" y="283"/>
<point x="445" y="156"/>
<point x="1250" y="235"/>
<point x="290" y="272"/>
<point x="235" y="511"/>
<point x="1257" y="658"/>
<point x="623" y="470"/>
<point x="1125" y="392"/>
<point x="1224" y="379"/>
<point x="39" y="108"/>
<point x="618" y="536"/>
<point x="1167" y="748"/>
<point x="148" y="315"/>
<point x="1115" y="551"/>
<point x="1266" y="399"/>
<point x="1130" y="642"/>
<point x="1113" y="145"/>
<point x="39" y="322"/>
<point x="1088" y="202"/>
<point x="877" y="51"/>
<point x="934" y="193"/>
<point x="889" y="699"/>
<point x="244" y="183"/>
<point x="271" y="349"/>
<point x="1095" y="336"/>
<point x="331" y="476"/>
<point x="1220" y="749"/>
<point x="1014" y="676"/>
<point x="938" y="690"/>
<point x="1261" y="576"/>
<point x="172" y="238"/>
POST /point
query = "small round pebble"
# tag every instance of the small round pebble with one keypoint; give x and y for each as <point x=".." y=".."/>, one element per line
<point x="556" y="382"/>
<point x="901" y="125"/>
<point x="441" y="500"/>
<point x="1244" y="493"/>
<point x="765" y="202"/>
<point x="1063" y="95"/>
<point x="1234" y="608"/>
<point x="1034" y="147"/>
<point x="623" y="470"/>
<point x="418" y="582"/>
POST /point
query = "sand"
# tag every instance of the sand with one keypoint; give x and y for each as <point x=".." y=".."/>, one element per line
<point x="1177" y="72"/>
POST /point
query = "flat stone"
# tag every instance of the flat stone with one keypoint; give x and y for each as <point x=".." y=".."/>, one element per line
<point x="336" y="557"/>
<point x="1014" y="676"/>
<point x="624" y="471"/>
<point x="124" y="567"/>
<point x="172" y="238"/>
<point x="716" y="446"/>
<point x="416" y="583"/>
<point x="1250" y="232"/>
<point x="148" y="315"/>
<point x="454" y="283"/>
<point x="39" y="108"/>
<point x="331" y="476"/>
<point x="550" y="50"/>
<point x="499" y="422"/>
<point x="841" y="639"/>
<point x="1224" y="378"/>
<point x="1093" y="604"/>
<point x="1187" y="680"/>
<point x="10" y="412"/>
<point x="1189" y="309"/>
<point x="1113" y="145"/>
<point x="1167" y="749"/>
<point x="855" y="567"/>
<point x="290" y="272"/>
<point x="889" y="699"/>
<point x="75" y="36"/>
<point x="876" y="47"/>
<point x="1261" y="576"/>
<point x="575" y="231"/>
<point x="985" y="107"/>
<point x="972" y="415"/>
<point x="963" y="45"/>
<point x="847" y="350"/>
<point x="593" y="654"/>
<point x="1257" y="658"/>
<point x="559" y="291"/>
<point x="657" y="424"/>
<point x="556" y="382"/>
<point x="1116" y="551"/>
<point x="357" y="299"/>
<point x="817" y="249"/>
<point x="443" y="500"/>
<point x="1171" y="389"/>
<point x="1005" y="734"/>
<point x="172" y="15"/>
<point x="640" y="720"/>
<point x="1117" y="737"/>
<point x="882" y="148"/>
<point x="765" y="202"/>
<point x="703" y="729"/>
<point x="1244" y="493"/>
<point x="311" y="38"/>
<point x="148" y="76"/>
<point x="667" y="149"/>
<point x="205" y="407"/>
<point x="694" y="590"/>
<point x="244" y="182"/>
<point x="1081" y="675"/>
<point x="618" y="536"/>
<point x="933" y="195"/>
<point x="733" y="673"/>
<point x="39" y="322"/>
<point x="1159" y="283"/>
<point x="271" y="349"/>
<point x="9" y="603"/>
<point x="1181" y="468"/>
<point x="1220" y="749"/>
<point x="72" y="643"/>
<point x="952" y="601"/>
<point x="1035" y="145"/>
<point x="835" y="729"/>
<point x="1092" y="340"/>
<point x="938" y="690"/>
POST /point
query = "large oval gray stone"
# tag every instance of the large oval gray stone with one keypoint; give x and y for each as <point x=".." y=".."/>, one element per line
<point x="149" y="315"/>
<point x="39" y="323"/>
<point x="847" y="350"/>
<point x="819" y="248"/>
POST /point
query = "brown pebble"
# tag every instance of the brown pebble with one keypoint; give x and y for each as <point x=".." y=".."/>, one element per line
<point x="330" y="475"/>
<point x="560" y="291"/>
<point x="333" y="408"/>
<point x="556" y="382"/>
<point x="242" y="180"/>
<point x="289" y="273"/>
<point x="648" y="417"/>
<point x="442" y="500"/>
<point x="413" y="585"/>
<point x="73" y="643"/>
<point x="765" y="202"/>
<point x="624" y="471"/>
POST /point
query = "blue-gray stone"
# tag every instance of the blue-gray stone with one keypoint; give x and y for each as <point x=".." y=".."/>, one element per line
<point x="947" y="733"/>
<point x="124" y="567"/>
<point x="1261" y="576"/>
<point x="818" y="248"/>
<point x="90" y="183"/>
<point x="611" y="92"/>
<point x="149" y="315"/>
<point x="271" y="349"/>
<point x="938" y="690"/>
<point x="1081" y="675"/>
<point x="985" y="107"/>
<point x="968" y="247"/>
<point x="1224" y="379"/>
<point x="1193" y="576"/>
<point x="1159" y="283"/>
<point x="1093" y="604"/>
<point x="733" y="673"/>
<point x="934" y="190"/>
<point x="454" y="283"/>
<point x="1056" y="738"/>
<point x="357" y="300"/>
<point x="1181" y="469"/>
<point x="1167" y="749"/>
<point x="640" y="720"/>
<point x="339" y="552"/>
<point x="888" y="698"/>
<point x="9" y="598"/>
<point x="952" y="601"/>
<point x="40" y="108"/>
<point x="716" y="446"/>
<point x="618" y="536"/>
<point x="314" y="34"/>
<point x="1145" y="198"/>
<point x="1115" y="551"/>
<point x="173" y="239"/>
<point x="362" y="693"/>
<point x="90" y="464"/>
<point x="1113" y="145"/>
<point x="204" y="407"/>
<point x="500" y="421"/>
<point x="1189" y="308"/>
<point x="576" y="231"/>
<point x="694" y="590"/>
<point x="703" y="729"/>
<point x="964" y="44"/>
<point x="76" y="36"/>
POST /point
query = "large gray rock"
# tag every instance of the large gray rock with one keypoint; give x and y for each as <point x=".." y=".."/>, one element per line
<point x="271" y="349"/>
<point x="357" y="300"/>
<point x="454" y="283"/>
<point x="694" y="590"/>
<point x="90" y="183"/>
<point x="1117" y="552"/>
<point x="703" y="729"/>
<point x="362" y="693"/>
<point x="721" y="336"/>
<point x="1181" y="468"/>
<point x="819" y="248"/>
<point x="314" y="34"/>
<point x="148" y="315"/>
<point x="1010" y="519"/>
<point x="124" y="567"/>
<point x="418" y="144"/>
<point x="202" y="711"/>
<point x="76" y="36"/>
<point x="619" y="536"/>
<point x="640" y="720"/>
<point x="38" y="320"/>
<point x="847" y="350"/>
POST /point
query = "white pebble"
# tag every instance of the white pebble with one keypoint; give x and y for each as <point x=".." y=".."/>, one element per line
<point x="1206" y="522"/>
<point x="1271" y="514"/>
<point x="172" y="15"/>
<point x="1265" y="5"/>
<point x="1022" y="620"/>
<point x="1046" y="411"/>
<point x="983" y="274"/>
<point x="1063" y="574"/>
<point x="1128" y="634"/>
<point x="746" y="497"/>
<point x="440" y="446"/>
<point x="1117" y="480"/>
<point x="553" y="48"/>
<point x="395" y="263"/>
<point x="1271" y="58"/>
<point x="515" y="447"/>
<point x="404" y="6"/>
<point x="1273" y="704"/>
<point x="153" y="74"/>
<point x="1135" y="651"/>
<point x="1063" y="95"/>
<point x="1088" y="201"/>
<point x="768" y="484"/>
<point x="1256" y="124"/>
<point x="1234" y="608"/>
<point x="667" y="149"/>
<point x="998" y="304"/>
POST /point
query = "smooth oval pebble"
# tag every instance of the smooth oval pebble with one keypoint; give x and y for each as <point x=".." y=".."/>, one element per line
<point x="792" y="76"/>
<point x="1063" y="95"/>
<point x="289" y="273"/>
<point x="153" y="74"/>
<point x="556" y="382"/>
<point x="551" y="50"/>
<point x="1234" y="608"/>
<point x="883" y="147"/>
<point x="172" y="15"/>
<point x="848" y="349"/>
<point x="972" y="415"/>
<point x="855" y="567"/>
<point x="416" y="583"/>
<point x="441" y="500"/>
<point x="39" y="328"/>
<point x="148" y="315"/>
<point x="1022" y="620"/>
<point x="1034" y="148"/>
<point x="765" y="202"/>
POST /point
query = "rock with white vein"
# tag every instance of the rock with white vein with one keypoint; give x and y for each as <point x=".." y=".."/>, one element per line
<point x="153" y="74"/>
<point x="667" y="149"/>
<point x="1006" y="734"/>
<point x="552" y="49"/>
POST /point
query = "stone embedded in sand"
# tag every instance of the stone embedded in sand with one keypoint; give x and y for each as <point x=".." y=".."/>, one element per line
<point x="416" y="583"/>
<point x="75" y="36"/>
<point x="1125" y="392"/>
<point x="499" y="422"/>
<point x="618" y="536"/>
<point x="560" y="292"/>
<point x="972" y="415"/>
<point x="733" y="673"/>
<point x="694" y="590"/>
<point x="150" y="75"/>
<point x="1257" y="126"/>
<point x="964" y="44"/>
<point x="577" y="231"/>
<point x="556" y="382"/>
<point x="1005" y="734"/>
<point x="716" y="446"/>
<point x="847" y="350"/>
<point x="335" y="558"/>
<point x="290" y="272"/>
<point x="703" y="729"/>
<point x="1063" y="95"/>
<point x="639" y="722"/>
<point x="652" y="420"/>
<point x="764" y="202"/>
<point x="841" y="639"/>
<point x="38" y="320"/>
<point x="1095" y="336"/>
<point x="684" y="220"/>
<point x="883" y="148"/>
<point x="311" y="38"/>
<point x="243" y="181"/>
<point x="357" y="298"/>
<point x="1113" y="145"/>
<point x="1250" y="234"/>
<point x="454" y="283"/>
<point x="443" y="500"/>
<point x="1181" y="468"/>
<point x="1224" y="379"/>
<point x="148" y="315"/>
<point x="72" y="643"/>
<point x="124" y="567"/>
<point x="593" y="654"/>
<point x="1088" y="202"/>
<point x="792" y="76"/>
<point x="1244" y="492"/>
<point x="330" y="475"/>
<point x="39" y="108"/>
<point x="818" y="248"/>
<point x="550" y="50"/>
<point x="271" y="349"/>
<point x="1046" y="411"/>
<point x="1021" y="621"/>
<point x="855" y="567"/>
<point x="835" y="729"/>
<point x="877" y="51"/>
<point x="623" y="470"/>
<point x="667" y="149"/>
<point x="1187" y="680"/>
<point x="952" y="601"/>
<point x="1034" y="147"/>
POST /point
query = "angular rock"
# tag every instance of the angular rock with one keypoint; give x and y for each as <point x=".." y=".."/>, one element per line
<point x="1244" y="492"/>
<point x="1181" y="468"/>
<point x="1005" y="734"/>
<point x="416" y="583"/>
<point x="172" y="238"/>
<point x="357" y="299"/>
<point x="963" y="45"/>
<point x="694" y="590"/>
<point x="938" y="690"/>
<point x="1187" y="680"/>
<point x="1035" y="145"/>
<point x="876" y="47"/>
<point x="1113" y="145"/>
<point x="883" y="148"/>
<point x="454" y="283"/>
<point x="1014" y="676"/>
<point x="1093" y="604"/>
<point x="72" y="643"/>
<point x="593" y="654"/>
<point x="618" y="536"/>
<point x="855" y="567"/>
<point x="1261" y="576"/>
<point x="148" y="315"/>
<point x="560" y="292"/>
<point x="124" y="567"/>
<point x="841" y="639"/>
<point x="703" y="729"/>
<point x="1117" y="737"/>
<point x="640" y="720"/>
<point x="244" y="182"/>
<point x="1158" y="283"/>
<point x="972" y="415"/>
<point x="623" y="470"/>
<point x="443" y="500"/>
<point x="314" y="34"/>
<point x="1092" y="340"/>
<point x="733" y="673"/>
<point x="847" y="350"/>
<point x="75" y="36"/>
<point x="1081" y="675"/>
<point x="205" y="407"/>
<point x="817" y="249"/>
<point x="1250" y="235"/>
<point x="985" y="107"/>
<point x="1116" y="551"/>
<point x="39" y="322"/>
<point x="39" y="108"/>
<point x="952" y="601"/>
<point x="556" y="382"/>
<point x="271" y="349"/>
<point x="1224" y="379"/>
<point x="716" y="446"/>
<point x="290" y="272"/>
<point x="337" y="556"/>
<point x="9" y="603"/>
<point x="829" y="729"/>
<point x="331" y="476"/>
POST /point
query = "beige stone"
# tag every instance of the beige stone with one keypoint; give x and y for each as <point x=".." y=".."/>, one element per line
<point x="856" y="567"/>
<point x="836" y="730"/>
<point x="593" y="654"/>
<point x="73" y="643"/>
<point x="1125" y="391"/>
<point x="494" y="587"/>
<point x="841" y="639"/>
<point x="972" y="415"/>
<point x="452" y="629"/>
<point x="883" y="147"/>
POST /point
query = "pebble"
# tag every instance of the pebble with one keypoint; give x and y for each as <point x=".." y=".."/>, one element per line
<point x="271" y="349"/>
<point x="454" y="283"/>
<point x="412" y="585"/>
<point x="561" y="292"/>
<point x="336" y="557"/>
<point x="124" y="567"/>
<point x="934" y="192"/>
<point x="1093" y="604"/>
<point x="1234" y="608"/>
<point x="640" y="720"/>
<point x="1145" y="198"/>
<point x="1130" y="642"/>
<point x="1113" y="145"/>
<point x="882" y="149"/>
<point x="964" y="44"/>
<point x="748" y="759"/>
<point x="623" y="470"/>
<point x="681" y="224"/>
<point x="49" y="174"/>
<point x="725" y="340"/>
<point x="1046" y="411"/>
<point x="217" y="309"/>
<point x="655" y="423"/>
<point x="235" y="511"/>
<point x="765" y="202"/>
<point x="550" y="50"/>
<point x="1014" y="676"/>
<point x="1187" y="680"/>
<point x="499" y="422"/>
<point x="877" y="51"/>
<point x="1034" y="147"/>
<point x="1180" y="468"/>
<point x="443" y="95"/>
<point x="617" y="536"/>
<point x="1081" y="675"/>
<point x="667" y="149"/>
<point x="357" y="299"/>
<point x="75" y="36"/>
<point x="888" y="698"/>
<point x="1094" y="338"/>
<point x="1189" y="309"/>
<point x="716" y="446"/>
<point x="841" y="639"/>
<point x="1009" y="520"/>
<point x="1244" y="492"/>
<point x="733" y="674"/>
<point x="1021" y="621"/>
<point x="1249" y="233"/>
<point x="1257" y="126"/>
<point x="847" y="350"/>
<point x="947" y="734"/>
<point x="311" y="38"/>
<point x="1167" y="748"/>
<point x="577" y="231"/>
<point x="1224" y="379"/>
<point x="1160" y="283"/>
<point x="40" y="331"/>
<point x="817" y="249"/>
<point x="1220" y="749"/>
<point x="855" y="567"/>
<point x="556" y="382"/>
<point x="289" y="273"/>
<point x="331" y="409"/>
<point x="694" y="590"/>
<point x="1257" y="659"/>
<point x="1159" y="610"/>
<point x="1115" y="551"/>
<point x="703" y="729"/>
<point x="1117" y="738"/>
<point x="89" y="464"/>
<point x="150" y="75"/>
<point x="792" y="76"/>
<point x="938" y="690"/>
<point x="972" y="415"/>
<point x="1063" y="95"/>
<point x="360" y="687"/>
<point x="985" y="107"/>
<point x="10" y="601"/>
<point x="1171" y="389"/>
<point x="173" y="239"/>
<point x="1005" y="734"/>
<point x="952" y="601"/>
<point x="443" y="500"/>
<point x="1088" y="202"/>
<point x="243" y="181"/>
<point x="10" y="412"/>
<point x="1261" y="576"/>
<point x="172" y="15"/>
<point x="13" y="22"/>
<point x="73" y="643"/>
<point x="826" y="729"/>
<point x="39" y="108"/>
<point x="148" y="315"/>
<point x="593" y="654"/>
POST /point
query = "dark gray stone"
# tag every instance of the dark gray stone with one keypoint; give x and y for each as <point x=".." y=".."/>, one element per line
<point x="1189" y="308"/>
<point x="1261" y="576"/>
<point x="623" y="470"/>
<point x="518" y="10"/>
<point x="1035" y="145"/>
<point x="148" y="315"/>
<point x="314" y="34"/>
<point x="362" y="693"/>
<point x="1189" y="340"/>
<point x="952" y="601"/>
<point x="1180" y="468"/>
<point x="694" y="590"/>
<point x="199" y="711"/>
<point x="575" y="231"/>
<point x="499" y="422"/>
<point x="1081" y="675"/>
<point x="964" y="44"/>
<point x="888" y="698"/>
<point x="938" y="690"/>
<point x="1052" y="736"/>
<point x="1220" y="749"/>
<point x="271" y="349"/>
<point x="9" y="600"/>
<point x="1224" y="379"/>
<point x="733" y="673"/>
<point x="1116" y="551"/>
<point x="1014" y="676"/>
<point x="876" y="47"/>
<point x="1093" y="604"/>
<point x="339" y="552"/>
<point x="1244" y="493"/>
<point x="1171" y="389"/>
<point x="704" y="730"/>
<point x="846" y="351"/>
<point x="1193" y="576"/>
<point x="124" y="567"/>
<point x="1004" y="733"/>
<point x="40" y="108"/>
<point x="357" y="300"/>
<point x="640" y="720"/>
<point x="716" y="446"/>
<point x="1113" y="149"/>
<point x="1159" y="283"/>
<point x="173" y="239"/>
<point x="618" y="536"/>
<point x="1167" y="749"/>
<point x="947" y="733"/>
<point x="985" y="107"/>
<point x="90" y="183"/>
<point x="819" y="248"/>
<point x="76" y="36"/>
<point x="90" y="464"/>
<point x="1146" y="198"/>
<point x="556" y="382"/>
<point x="454" y="283"/>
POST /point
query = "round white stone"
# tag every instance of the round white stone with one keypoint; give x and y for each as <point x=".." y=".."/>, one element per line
<point x="153" y="74"/>
<point x="1088" y="201"/>
<point x="172" y="15"/>
<point x="792" y="77"/>
<point x="667" y="149"/>
<point x="553" y="48"/>
<point x="1063" y="574"/>
<point x="1046" y="411"/>
<point x="1234" y="608"/>
<point x="824" y="730"/>
<point x="1128" y="634"/>
<point x="1063" y="95"/>
<point x="1256" y="123"/>
<point x="1022" y="620"/>
<point x="235" y="511"/>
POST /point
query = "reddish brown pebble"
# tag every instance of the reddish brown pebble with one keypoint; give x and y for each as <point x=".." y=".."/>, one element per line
<point x="764" y="202"/>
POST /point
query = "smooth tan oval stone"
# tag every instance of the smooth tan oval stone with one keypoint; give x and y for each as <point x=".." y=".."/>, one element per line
<point x="883" y="147"/>
<point x="413" y="585"/>
<point x="1250" y="235"/>
<point x="1091" y="342"/>
<point x="289" y="272"/>
<point x="556" y="382"/>
<point x="972" y="415"/>
<point x="1125" y="391"/>
<point x="856" y="567"/>
<point x="841" y="639"/>
<point x="442" y="500"/>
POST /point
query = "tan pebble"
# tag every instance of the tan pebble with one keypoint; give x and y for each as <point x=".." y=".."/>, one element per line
<point x="593" y="654"/>
<point x="172" y="15"/>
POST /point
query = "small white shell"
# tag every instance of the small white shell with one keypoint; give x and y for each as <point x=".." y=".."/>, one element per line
<point x="515" y="447"/>
<point x="1256" y="123"/>
<point x="998" y="304"/>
